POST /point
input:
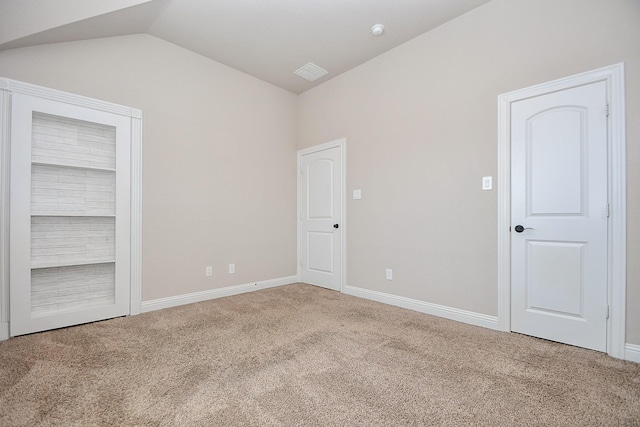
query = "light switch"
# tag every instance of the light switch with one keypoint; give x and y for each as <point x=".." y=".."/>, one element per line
<point x="357" y="194"/>
<point x="487" y="182"/>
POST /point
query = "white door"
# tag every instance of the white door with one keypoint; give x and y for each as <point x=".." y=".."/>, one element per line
<point x="559" y="216"/>
<point x="321" y="226"/>
<point x="70" y="214"/>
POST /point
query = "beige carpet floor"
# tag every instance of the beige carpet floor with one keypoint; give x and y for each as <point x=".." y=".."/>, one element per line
<point x="299" y="355"/>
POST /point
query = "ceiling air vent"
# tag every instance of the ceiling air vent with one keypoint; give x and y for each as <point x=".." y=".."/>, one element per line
<point x="310" y="72"/>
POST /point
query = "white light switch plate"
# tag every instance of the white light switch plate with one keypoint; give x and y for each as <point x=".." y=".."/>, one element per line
<point x="357" y="194"/>
<point x="487" y="182"/>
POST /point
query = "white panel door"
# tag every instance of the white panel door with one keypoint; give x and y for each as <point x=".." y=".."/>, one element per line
<point x="559" y="216"/>
<point x="321" y="218"/>
<point x="70" y="215"/>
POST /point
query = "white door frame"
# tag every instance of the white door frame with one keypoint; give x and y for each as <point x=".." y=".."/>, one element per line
<point x="614" y="77"/>
<point x="342" y="143"/>
<point x="7" y="87"/>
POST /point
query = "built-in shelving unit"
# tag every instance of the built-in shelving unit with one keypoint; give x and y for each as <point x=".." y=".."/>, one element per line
<point x="71" y="183"/>
<point x="73" y="223"/>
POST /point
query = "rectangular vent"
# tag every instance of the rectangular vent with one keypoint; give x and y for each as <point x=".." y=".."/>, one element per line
<point x="311" y="72"/>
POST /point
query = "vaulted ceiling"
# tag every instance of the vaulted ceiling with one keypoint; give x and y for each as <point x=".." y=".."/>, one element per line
<point x="268" y="39"/>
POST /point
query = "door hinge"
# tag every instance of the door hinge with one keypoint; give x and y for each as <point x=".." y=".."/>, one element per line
<point x="606" y="110"/>
<point x="606" y="313"/>
<point x="608" y="210"/>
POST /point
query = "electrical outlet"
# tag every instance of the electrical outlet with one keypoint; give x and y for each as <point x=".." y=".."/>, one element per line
<point x="487" y="182"/>
<point x="232" y="268"/>
<point x="389" y="274"/>
<point x="208" y="271"/>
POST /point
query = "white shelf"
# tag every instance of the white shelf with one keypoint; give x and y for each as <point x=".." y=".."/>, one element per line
<point x="64" y="165"/>
<point x="38" y="265"/>
<point x="62" y="141"/>
<point x="62" y="191"/>
<point x="82" y="215"/>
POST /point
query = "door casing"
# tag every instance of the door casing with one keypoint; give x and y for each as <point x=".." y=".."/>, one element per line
<point x="342" y="144"/>
<point x="614" y="77"/>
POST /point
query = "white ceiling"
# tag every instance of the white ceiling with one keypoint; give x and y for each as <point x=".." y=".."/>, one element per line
<point x="268" y="39"/>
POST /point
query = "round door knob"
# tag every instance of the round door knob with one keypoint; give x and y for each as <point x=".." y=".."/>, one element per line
<point x="336" y="226"/>
<point x="520" y="229"/>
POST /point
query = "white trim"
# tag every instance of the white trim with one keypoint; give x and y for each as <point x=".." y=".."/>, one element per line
<point x="614" y="77"/>
<point x="616" y="334"/>
<point x="158" y="304"/>
<point x="69" y="98"/>
<point x="136" y="213"/>
<point x="632" y="353"/>
<point x="464" y="316"/>
<point x="5" y="159"/>
<point x="504" y="214"/>
<point x="342" y="143"/>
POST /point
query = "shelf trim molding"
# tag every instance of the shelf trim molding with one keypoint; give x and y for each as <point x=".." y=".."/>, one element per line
<point x="14" y="86"/>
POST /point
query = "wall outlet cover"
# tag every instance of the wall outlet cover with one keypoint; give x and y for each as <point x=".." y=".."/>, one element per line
<point x="487" y="182"/>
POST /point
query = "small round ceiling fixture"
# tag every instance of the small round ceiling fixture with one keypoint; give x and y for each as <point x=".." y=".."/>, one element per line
<point x="377" y="30"/>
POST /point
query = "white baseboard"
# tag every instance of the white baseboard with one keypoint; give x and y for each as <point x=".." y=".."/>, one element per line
<point x="158" y="304"/>
<point x="632" y="352"/>
<point x="451" y="313"/>
<point x="4" y="331"/>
